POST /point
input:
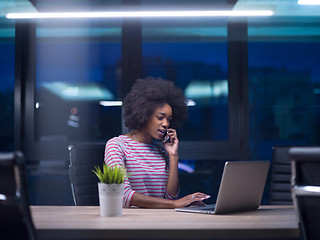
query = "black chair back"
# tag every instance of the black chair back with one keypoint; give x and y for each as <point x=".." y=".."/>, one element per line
<point x="306" y="189"/>
<point x="83" y="159"/>
<point x="15" y="216"/>
<point x="280" y="186"/>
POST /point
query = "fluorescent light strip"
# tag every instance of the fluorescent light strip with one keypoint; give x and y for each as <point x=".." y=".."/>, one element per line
<point x="189" y="103"/>
<point x="110" y="103"/>
<point x="309" y="2"/>
<point x="144" y="14"/>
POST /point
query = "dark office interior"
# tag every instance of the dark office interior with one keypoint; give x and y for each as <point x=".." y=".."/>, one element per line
<point x="252" y="84"/>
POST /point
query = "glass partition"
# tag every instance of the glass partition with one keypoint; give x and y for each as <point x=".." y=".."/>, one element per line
<point x="194" y="55"/>
<point x="284" y="83"/>
<point x="78" y="81"/>
<point x="7" y="50"/>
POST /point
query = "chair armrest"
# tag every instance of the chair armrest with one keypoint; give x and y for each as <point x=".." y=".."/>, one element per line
<point x="306" y="190"/>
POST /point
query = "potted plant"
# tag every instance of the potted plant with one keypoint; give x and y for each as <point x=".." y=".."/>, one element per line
<point x="111" y="189"/>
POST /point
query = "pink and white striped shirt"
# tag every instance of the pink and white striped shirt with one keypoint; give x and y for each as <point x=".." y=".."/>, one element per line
<point x="147" y="165"/>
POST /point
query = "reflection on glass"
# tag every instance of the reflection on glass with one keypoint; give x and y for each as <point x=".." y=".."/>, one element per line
<point x="77" y="67"/>
<point x="284" y="102"/>
<point x="192" y="54"/>
<point x="7" y="70"/>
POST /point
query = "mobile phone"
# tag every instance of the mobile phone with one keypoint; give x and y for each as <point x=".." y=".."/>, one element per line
<point x="166" y="138"/>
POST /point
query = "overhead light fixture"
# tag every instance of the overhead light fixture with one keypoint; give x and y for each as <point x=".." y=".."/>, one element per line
<point x="110" y="103"/>
<point x="309" y="2"/>
<point x="189" y="103"/>
<point x="136" y="14"/>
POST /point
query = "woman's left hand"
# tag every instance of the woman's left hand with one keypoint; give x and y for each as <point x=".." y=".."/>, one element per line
<point x="172" y="146"/>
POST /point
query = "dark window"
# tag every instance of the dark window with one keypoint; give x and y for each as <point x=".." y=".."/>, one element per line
<point x="7" y="49"/>
<point x="194" y="55"/>
<point x="284" y="86"/>
<point x="77" y="83"/>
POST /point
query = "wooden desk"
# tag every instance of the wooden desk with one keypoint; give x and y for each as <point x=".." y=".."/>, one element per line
<point x="71" y="222"/>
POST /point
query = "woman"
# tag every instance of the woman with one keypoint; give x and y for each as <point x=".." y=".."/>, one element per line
<point x="152" y="109"/>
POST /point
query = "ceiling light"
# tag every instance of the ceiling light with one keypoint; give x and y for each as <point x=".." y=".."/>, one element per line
<point x="135" y="14"/>
<point x="189" y="103"/>
<point x="110" y="103"/>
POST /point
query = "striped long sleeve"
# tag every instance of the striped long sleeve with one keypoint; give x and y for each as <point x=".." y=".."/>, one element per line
<point x="146" y="164"/>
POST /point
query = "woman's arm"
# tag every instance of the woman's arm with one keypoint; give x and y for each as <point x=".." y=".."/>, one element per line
<point x="172" y="149"/>
<point x="114" y="155"/>
<point x="145" y="201"/>
<point x="173" y="178"/>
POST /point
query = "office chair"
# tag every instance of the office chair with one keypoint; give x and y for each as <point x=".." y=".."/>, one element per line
<point x="15" y="217"/>
<point x="83" y="159"/>
<point x="280" y="187"/>
<point x="306" y="189"/>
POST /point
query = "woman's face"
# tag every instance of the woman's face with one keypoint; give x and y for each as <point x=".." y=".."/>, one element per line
<point x="159" y="122"/>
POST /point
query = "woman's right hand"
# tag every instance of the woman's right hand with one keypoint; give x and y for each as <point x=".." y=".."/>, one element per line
<point x="197" y="197"/>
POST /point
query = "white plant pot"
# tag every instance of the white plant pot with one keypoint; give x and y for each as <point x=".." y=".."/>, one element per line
<point x="110" y="199"/>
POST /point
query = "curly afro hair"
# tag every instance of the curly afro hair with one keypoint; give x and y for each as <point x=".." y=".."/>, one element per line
<point x="148" y="94"/>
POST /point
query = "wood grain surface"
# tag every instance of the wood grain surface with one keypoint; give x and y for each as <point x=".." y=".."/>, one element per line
<point x="85" y="222"/>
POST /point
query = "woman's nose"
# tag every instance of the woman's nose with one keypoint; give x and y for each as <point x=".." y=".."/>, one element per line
<point x="165" y="123"/>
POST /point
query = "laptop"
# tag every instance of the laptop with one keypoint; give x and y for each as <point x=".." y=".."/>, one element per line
<point x="241" y="188"/>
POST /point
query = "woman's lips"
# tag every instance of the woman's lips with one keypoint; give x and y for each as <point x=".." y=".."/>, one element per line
<point x="162" y="132"/>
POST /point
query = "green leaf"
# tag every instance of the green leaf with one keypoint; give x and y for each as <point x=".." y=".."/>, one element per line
<point x="109" y="175"/>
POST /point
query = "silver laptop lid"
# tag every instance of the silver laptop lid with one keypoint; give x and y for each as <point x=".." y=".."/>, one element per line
<point x="241" y="186"/>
